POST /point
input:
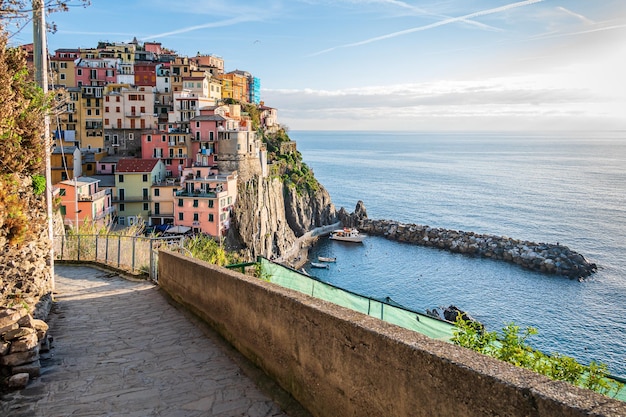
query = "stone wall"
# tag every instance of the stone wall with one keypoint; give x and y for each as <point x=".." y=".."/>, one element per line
<point x="543" y="257"/>
<point x="340" y="363"/>
<point x="22" y="339"/>
<point x="26" y="285"/>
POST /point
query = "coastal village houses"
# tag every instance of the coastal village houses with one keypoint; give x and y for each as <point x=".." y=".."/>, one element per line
<point x="143" y="134"/>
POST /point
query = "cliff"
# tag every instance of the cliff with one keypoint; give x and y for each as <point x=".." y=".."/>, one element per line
<point x="270" y="217"/>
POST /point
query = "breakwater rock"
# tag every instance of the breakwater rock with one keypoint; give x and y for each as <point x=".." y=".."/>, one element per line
<point x="544" y="257"/>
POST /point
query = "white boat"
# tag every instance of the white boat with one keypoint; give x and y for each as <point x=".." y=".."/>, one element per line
<point x="325" y="259"/>
<point x="347" y="235"/>
<point x="319" y="265"/>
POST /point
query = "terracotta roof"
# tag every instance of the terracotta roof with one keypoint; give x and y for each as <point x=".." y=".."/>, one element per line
<point x="136" y="165"/>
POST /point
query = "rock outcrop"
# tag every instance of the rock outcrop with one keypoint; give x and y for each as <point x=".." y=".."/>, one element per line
<point x="269" y="217"/>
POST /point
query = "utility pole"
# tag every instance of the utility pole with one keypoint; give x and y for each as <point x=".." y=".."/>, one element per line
<point x="40" y="60"/>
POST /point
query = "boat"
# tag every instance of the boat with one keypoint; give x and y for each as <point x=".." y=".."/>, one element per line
<point x="347" y="235"/>
<point x="325" y="259"/>
<point x="319" y="265"/>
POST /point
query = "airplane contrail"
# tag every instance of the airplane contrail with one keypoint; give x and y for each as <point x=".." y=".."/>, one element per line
<point x="222" y="23"/>
<point x="432" y="25"/>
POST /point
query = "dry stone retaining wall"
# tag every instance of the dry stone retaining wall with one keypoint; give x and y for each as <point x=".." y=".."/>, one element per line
<point x="23" y="338"/>
<point x="543" y="257"/>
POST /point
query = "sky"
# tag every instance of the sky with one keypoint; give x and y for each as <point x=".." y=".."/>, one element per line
<point x="444" y="65"/>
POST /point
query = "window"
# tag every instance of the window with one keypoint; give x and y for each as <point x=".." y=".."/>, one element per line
<point x="156" y="192"/>
<point x="131" y="136"/>
<point x="211" y="217"/>
<point x="157" y="208"/>
<point x="121" y="221"/>
<point x="180" y="202"/>
<point x="79" y="72"/>
<point x="122" y="207"/>
<point x="195" y="217"/>
<point x="120" y="178"/>
<point x="181" y="216"/>
<point x="63" y="210"/>
<point x="210" y="203"/>
<point x="89" y="167"/>
<point x="146" y="207"/>
<point x="106" y="108"/>
<point x="145" y="193"/>
<point x="62" y="76"/>
<point x="149" y="138"/>
<point x="195" y="203"/>
<point x="106" y="122"/>
<point x="62" y="192"/>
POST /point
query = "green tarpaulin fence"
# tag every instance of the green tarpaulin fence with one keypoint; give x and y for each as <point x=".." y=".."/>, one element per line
<point x="384" y="310"/>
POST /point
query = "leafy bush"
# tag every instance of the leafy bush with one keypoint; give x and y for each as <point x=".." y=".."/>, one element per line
<point x="39" y="184"/>
<point x="512" y="347"/>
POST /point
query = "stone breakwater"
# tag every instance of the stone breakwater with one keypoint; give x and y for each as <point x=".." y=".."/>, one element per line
<point x="543" y="257"/>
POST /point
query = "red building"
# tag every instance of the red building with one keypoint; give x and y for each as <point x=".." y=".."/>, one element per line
<point x="145" y="73"/>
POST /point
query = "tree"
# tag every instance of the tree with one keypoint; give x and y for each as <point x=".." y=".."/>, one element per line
<point x="19" y="12"/>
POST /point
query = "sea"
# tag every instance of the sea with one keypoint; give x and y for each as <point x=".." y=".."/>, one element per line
<point x="565" y="187"/>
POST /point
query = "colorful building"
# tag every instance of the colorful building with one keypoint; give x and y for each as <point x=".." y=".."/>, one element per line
<point x="65" y="163"/>
<point x="83" y="202"/>
<point x="205" y="200"/>
<point x="133" y="181"/>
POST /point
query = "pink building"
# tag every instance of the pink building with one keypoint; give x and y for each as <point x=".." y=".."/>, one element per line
<point x="171" y="147"/>
<point x="82" y="202"/>
<point x="95" y="72"/>
<point x="205" y="200"/>
<point x="205" y="130"/>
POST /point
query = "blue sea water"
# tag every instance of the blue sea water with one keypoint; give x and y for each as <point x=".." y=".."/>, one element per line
<point x="555" y="187"/>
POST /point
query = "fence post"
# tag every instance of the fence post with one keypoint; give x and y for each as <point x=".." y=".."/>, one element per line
<point x="95" y="258"/>
<point x="62" y="245"/>
<point x="78" y="247"/>
<point x="106" y="250"/>
<point x="152" y="272"/>
<point x="132" y="261"/>
<point x="119" y="250"/>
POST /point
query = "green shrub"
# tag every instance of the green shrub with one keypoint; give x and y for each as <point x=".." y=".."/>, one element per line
<point x="512" y="347"/>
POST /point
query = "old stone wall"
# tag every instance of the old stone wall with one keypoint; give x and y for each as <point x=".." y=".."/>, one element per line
<point x="340" y="363"/>
<point x="543" y="257"/>
<point x="22" y="338"/>
<point x="25" y="290"/>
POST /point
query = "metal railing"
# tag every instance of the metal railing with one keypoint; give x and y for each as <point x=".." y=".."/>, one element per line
<point x="135" y="254"/>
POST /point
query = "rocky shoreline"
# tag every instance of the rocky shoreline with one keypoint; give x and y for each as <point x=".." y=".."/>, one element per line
<point x="542" y="257"/>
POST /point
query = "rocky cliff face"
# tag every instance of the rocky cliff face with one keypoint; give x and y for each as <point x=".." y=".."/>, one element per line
<point x="269" y="217"/>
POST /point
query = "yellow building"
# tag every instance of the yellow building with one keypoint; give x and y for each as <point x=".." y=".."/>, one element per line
<point x="62" y="64"/>
<point x="90" y="131"/>
<point x="65" y="163"/>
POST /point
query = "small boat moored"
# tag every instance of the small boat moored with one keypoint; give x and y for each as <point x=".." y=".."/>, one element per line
<point x="325" y="259"/>
<point x="319" y="265"/>
<point x="347" y="235"/>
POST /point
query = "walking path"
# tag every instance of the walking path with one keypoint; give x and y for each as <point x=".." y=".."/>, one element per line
<point x="121" y="349"/>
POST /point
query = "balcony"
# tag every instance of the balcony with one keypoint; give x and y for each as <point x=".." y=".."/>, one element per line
<point x="131" y="199"/>
<point x="195" y="194"/>
<point x="133" y="114"/>
<point x="93" y="197"/>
